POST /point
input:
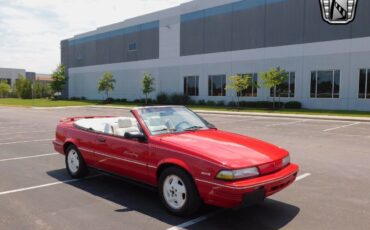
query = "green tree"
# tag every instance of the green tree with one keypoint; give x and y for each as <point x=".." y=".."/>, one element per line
<point x="239" y="83"/>
<point x="37" y="90"/>
<point x="148" y="86"/>
<point x="273" y="78"/>
<point x="46" y="91"/>
<point x="23" y="87"/>
<point x="59" y="79"/>
<point x="106" y="83"/>
<point x="4" y="89"/>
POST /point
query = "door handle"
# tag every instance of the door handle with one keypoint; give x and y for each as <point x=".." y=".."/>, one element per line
<point x="102" y="139"/>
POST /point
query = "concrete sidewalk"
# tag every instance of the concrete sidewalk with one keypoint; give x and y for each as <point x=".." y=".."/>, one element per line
<point x="282" y="115"/>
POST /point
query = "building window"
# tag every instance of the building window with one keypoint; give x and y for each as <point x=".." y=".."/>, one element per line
<point x="325" y="84"/>
<point x="216" y="85"/>
<point x="251" y="91"/>
<point x="287" y="88"/>
<point x="7" y="80"/>
<point x="132" y="47"/>
<point x="364" y="87"/>
<point x="191" y="85"/>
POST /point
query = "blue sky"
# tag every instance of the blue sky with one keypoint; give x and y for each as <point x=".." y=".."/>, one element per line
<point x="31" y="30"/>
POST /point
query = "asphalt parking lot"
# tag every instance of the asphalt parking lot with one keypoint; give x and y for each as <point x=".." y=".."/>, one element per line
<point x="333" y="190"/>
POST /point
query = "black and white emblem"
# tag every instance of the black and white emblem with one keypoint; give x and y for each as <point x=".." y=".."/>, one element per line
<point x="338" y="11"/>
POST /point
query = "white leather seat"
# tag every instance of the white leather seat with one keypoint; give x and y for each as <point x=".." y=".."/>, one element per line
<point x="156" y="124"/>
<point x="108" y="129"/>
<point x="126" y="125"/>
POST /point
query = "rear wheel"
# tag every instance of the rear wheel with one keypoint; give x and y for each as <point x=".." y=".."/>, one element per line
<point x="178" y="192"/>
<point x="75" y="163"/>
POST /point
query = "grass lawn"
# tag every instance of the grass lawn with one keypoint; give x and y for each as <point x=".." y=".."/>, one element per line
<point x="43" y="102"/>
<point x="62" y="103"/>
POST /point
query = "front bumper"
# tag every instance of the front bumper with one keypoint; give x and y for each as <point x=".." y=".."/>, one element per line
<point x="234" y="194"/>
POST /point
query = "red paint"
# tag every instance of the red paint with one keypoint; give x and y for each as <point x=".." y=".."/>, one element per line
<point x="201" y="153"/>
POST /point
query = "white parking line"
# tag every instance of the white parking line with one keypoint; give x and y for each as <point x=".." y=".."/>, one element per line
<point x="340" y="127"/>
<point x="183" y="226"/>
<point x="195" y="221"/>
<point x="301" y="177"/>
<point x="286" y="123"/>
<point x="21" y="142"/>
<point x="28" y="157"/>
<point x="44" y="185"/>
<point x="2" y="134"/>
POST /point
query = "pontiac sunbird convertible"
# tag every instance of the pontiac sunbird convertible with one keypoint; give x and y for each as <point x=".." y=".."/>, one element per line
<point x="175" y="150"/>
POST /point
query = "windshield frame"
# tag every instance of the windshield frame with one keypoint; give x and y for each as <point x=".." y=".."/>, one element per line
<point x="138" y="112"/>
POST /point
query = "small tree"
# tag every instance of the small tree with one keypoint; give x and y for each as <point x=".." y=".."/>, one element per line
<point x="273" y="78"/>
<point x="106" y="83"/>
<point x="37" y="87"/>
<point x="148" y="86"/>
<point x="4" y="89"/>
<point x="239" y="83"/>
<point x="59" y="79"/>
<point x="23" y="87"/>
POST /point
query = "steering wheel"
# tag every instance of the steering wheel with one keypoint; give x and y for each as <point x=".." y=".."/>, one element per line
<point x="178" y="126"/>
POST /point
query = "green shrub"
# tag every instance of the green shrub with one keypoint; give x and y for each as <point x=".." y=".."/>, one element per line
<point x="192" y="102"/>
<point x="109" y="100"/>
<point x="293" y="105"/>
<point x="220" y="103"/>
<point x="162" y="98"/>
<point x="248" y="104"/>
<point x="179" y="99"/>
<point x="202" y="102"/>
<point x="211" y="103"/>
<point x="232" y="104"/>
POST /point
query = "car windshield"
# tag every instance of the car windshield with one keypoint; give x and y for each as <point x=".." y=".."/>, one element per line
<point x="161" y="120"/>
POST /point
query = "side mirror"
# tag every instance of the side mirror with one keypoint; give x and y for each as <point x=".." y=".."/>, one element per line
<point x="136" y="135"/>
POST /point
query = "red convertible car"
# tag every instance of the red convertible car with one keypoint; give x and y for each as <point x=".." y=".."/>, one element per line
<point x="172" y="148"/>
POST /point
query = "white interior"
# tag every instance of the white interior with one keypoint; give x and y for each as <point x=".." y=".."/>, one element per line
<point x="117" y="126"/>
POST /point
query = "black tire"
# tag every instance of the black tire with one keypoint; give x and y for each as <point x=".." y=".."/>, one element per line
<point x="82" y="169"/>
<point x="192" y="201"/>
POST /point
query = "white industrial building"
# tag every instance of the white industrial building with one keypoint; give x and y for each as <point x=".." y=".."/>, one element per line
<point x="194" y="47"/>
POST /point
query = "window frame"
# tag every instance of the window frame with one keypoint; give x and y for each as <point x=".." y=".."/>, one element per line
<point x="367" y="79"/>
<point x="8" y="80"/>
<point x="290" y="73"/>
<point x="210" y="86"/>
<point x="129" y="47"/>
<point x="186" y="87"/>
<point x="332" y="82"/>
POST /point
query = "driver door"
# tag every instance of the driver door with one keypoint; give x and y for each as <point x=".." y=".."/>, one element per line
<point x="124" y="157"/>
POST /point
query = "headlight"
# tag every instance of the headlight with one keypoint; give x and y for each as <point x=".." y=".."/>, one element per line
<point x="237" y="174"/>
<point x="286" y="161"/>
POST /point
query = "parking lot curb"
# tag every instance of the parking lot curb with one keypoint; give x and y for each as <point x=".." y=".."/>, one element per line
<point x="298" y="116"/>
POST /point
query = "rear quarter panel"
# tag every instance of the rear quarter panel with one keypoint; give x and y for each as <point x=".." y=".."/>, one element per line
<point x="67" y="134"/>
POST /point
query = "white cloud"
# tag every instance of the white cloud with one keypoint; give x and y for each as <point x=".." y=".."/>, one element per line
<point x="31" y="30"/>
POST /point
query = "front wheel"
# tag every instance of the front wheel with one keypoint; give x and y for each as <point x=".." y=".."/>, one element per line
<point x="75" y="163"/>
<point x="178" y="192"/>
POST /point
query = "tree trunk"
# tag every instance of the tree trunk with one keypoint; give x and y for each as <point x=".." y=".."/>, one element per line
<point x="273" y="99"/>
<point x="238" y="103"/>
<point x="146" y="99"/>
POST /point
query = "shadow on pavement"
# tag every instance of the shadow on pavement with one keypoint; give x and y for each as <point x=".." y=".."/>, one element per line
<point x="271" y="214"/>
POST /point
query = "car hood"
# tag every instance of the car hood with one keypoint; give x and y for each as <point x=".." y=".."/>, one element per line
<point x="228" y="149"/>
